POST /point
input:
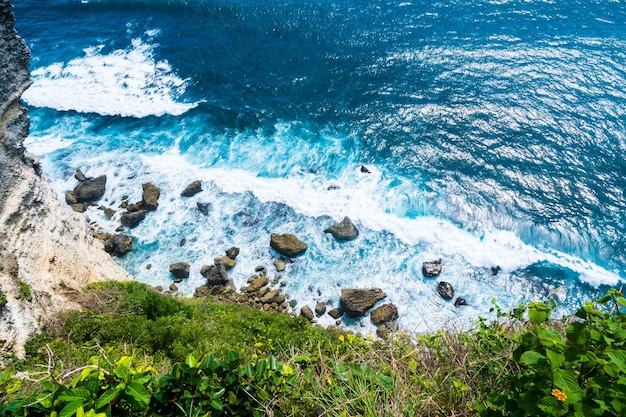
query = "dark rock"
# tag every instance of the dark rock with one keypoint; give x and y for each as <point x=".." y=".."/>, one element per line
<point x="344" y="230"/>
<point x="178" y="280"/>
<point x="335" y="313"/>
<point x="180" y="269"/>
<point x="495" y="270"/>
<point x="386" y="329"/>
<point x="383" y="314"/>
<point x="173" y="287"/>
<point x="109" y="213"/>
<point x="307" y="313"/>
<point x="333" y="187"/>
<point x="91" y="189"/>
<point x="80" y="176"/>
<point x="192" y="189"/>
<point x="432" y="268"/>
<point x="460" y="302"/>
<point x="118" y="245"/>
<point x="320" y="309"/>
<point x="355" y="302"/>
<point x="365" y="170"/>
<point x="79" y="207"/>
<point x="132" y="219"/>
<point x="149" y="266"/>
<point x="182" y="243"/>
<point x="150" y="196"/>
<point x="287" y="245"/>
<point x="233" y="252"/>
<point x="445" y="290"/>
<point x="280" y="265"/>
<point x="257" y="283"/>
<point x="215" y="274"/>
<point x="205" y="208"/>
<point x="134" y="207"/>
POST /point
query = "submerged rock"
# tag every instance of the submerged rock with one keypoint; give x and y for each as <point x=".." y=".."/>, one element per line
<point x="356" y="302"/>
<point x="460" y="302"/>
<point x="287" y="245"/>
<point x="204" y="207"/>
<point x="432" y="268"/>
<point x="344" y="230"/>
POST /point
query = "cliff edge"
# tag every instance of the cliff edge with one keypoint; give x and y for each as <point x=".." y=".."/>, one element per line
<point x="47" y="252"/>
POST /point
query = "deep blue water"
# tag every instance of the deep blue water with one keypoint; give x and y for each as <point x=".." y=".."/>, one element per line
<point x="495" y="132"/>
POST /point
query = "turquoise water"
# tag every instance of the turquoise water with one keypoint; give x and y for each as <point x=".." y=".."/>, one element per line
<point x="494" y="132"/>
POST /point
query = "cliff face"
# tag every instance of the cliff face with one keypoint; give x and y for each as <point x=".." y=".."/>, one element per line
<point x="45" y="248"/>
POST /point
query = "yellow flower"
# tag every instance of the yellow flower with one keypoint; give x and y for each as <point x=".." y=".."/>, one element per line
<point x="560" y="395"/>
<point x="341" y="338"/>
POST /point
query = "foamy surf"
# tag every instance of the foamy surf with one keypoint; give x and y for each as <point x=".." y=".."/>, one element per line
<point x="128" y="83"/>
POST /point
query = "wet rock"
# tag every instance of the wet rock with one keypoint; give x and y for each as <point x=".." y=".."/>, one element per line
<point x="183" y="242"/>
<point x="320" y="309"/>
<point x="384" y="313"/>
<point x="109" y="213"/>
<point x="233" y="252"/>
<point x="280" y="265"/>
<point x="355" y="302"/>
<point x="495" y="270"/>
<point x="344" y="230"/>
<point x="432" y="268"/>
<point x="150" y="196"/>
<point x="180" y="269"/>
<point x="70" y="198"/>
<point x="215" y="274"/>
<point x="204" y="207"/>
<point x="333" y="187"/>
<point x="90" y="189"/>
<point x="226" y="261"/>
<point x="287" y="244"/>
<point x="272" y="297"/>
<point x="335" y="313"/>
<point x="445" y="290"/>
<point x="132" y="219"/>
<point x="365" y="170"/>
<point x="118" y="245"/>
<point x="307" y="313"/>
<point x="79" y="207"/>
<point x="173" y="288"/>
<point x="192" y="189"/>
<point x="460" y="302"/>
<point x="80" y="176"/>
<point x="149" y="266"/>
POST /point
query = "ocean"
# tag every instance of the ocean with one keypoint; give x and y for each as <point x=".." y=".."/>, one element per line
<point x="494" y="133"/>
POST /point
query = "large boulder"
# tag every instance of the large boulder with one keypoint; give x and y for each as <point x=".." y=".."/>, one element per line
<point x="432" y="268"/>
<point x="228" y="262"/>
<point x="150" y="196"/>
<point x="384" y="313"/>
<point x="192" y="189"/>
<point x="287" y="245"/>
<point x="356" y="302"/>
<point x="344" y="230"/>
<point x="180" y="269"/>
<point x="131" y="219"/>
<point x="214" y="274"/>
<point x="232" y="252"/>
<point x="90" y="189"/>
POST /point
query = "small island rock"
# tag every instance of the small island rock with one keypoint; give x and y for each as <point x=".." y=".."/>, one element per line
<point x="192" y="189"/>
<point x="150" y="196"/>
<point x="384" y="313"/>
<point x="432" y="268"/>
<point x="287" y="244"/>
<point x="90" y="189"/>
<point x="180" y="269"/>
<point x="445" y="290"/>
<point x="344" y="230"/>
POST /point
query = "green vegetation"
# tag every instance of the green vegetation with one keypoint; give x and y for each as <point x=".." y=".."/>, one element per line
<point x="25" y="291"/>
<point x="135" y="352"/>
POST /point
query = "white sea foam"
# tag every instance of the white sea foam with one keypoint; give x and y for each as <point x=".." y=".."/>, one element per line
<point x="127" y="82"/>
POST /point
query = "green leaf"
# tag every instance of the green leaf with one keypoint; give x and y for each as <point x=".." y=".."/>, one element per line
<point x="107" y="397"/>
<point x="139" y="393"/>
<point x="533" y="359"/>
<point x="555" y="358"/>
<point x="273" y="363"/>
<point x="70" y="409"/>
<point x="191" y="361"/>
<point x="538" y="312"/>
<point x="618" y="357"/>
<point x="216" y="404"/>
<point x="219" y="393"/>
<point x="261" y="366"/>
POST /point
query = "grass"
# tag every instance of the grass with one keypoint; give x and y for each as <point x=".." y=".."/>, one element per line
<point x="445" y="373"/>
